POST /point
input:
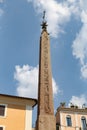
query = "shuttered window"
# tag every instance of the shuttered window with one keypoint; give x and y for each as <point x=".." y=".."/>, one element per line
<point x="2" y="112"/>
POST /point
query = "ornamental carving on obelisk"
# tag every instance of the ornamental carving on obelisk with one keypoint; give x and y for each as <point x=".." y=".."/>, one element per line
<point x="45" y="114"/>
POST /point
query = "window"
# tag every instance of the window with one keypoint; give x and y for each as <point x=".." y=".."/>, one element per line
<point x="1" y="128"/>
<point x="83" y="120"/>
<point x="68" y="119"/>
<point x="2" y="111"/>
<point x="57" y="126"/>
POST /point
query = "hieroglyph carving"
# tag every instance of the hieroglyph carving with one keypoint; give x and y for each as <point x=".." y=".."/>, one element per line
<point x="46" y="78"/>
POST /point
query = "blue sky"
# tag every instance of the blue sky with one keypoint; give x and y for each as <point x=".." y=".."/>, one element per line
<point x="19" y="48"/>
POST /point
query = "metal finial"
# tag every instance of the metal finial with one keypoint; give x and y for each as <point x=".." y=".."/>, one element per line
<point x="44" y="23"/>
<point x="44" y="12"/>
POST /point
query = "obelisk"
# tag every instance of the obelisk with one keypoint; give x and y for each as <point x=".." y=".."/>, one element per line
<point x="45" y="114"/>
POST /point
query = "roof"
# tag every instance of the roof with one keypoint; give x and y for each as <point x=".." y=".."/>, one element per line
<point x="72" y="109"/>
<point x="12" y="98"/>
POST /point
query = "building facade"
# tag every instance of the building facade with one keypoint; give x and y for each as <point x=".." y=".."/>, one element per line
<point x="71" y="118"/>
<point x="16" y="112"/>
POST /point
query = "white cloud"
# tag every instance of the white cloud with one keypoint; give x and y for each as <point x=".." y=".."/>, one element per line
<point x="55" y="87"/>
<point x="80" y="43"/>
<point x="79" y="101"/>
<point x="84" y="71"/>
<point x="26" y="77"/>
<point x="83" y="4"/>
<point x="27" y="81"/>
<point x="58" y="14"/>
<point x="71" y="1"/>
<point x="1" y="1"/>
<point x="1" y="10"/>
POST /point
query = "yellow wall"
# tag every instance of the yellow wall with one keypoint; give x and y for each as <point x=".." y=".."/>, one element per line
<point x="15" y="117"/>
<point x="18" y="112"/>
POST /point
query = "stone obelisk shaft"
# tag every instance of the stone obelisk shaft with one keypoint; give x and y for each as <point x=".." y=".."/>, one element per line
<point x="45" y="116"/>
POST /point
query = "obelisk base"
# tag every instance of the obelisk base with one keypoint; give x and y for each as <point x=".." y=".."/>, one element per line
<point x="46" y="122"/>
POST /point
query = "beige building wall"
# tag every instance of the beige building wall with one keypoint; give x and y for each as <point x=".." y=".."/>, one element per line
<point x="28" y="118"/>
<point x="76" y="116"/>
<point x="33" y="129"/>
<point x="64" y="122"/>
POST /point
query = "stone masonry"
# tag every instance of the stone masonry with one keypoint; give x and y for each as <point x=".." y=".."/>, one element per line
<point x="45" y="114"/>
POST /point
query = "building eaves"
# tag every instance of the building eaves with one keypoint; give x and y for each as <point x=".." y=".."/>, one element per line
<point x="19" y="97"/>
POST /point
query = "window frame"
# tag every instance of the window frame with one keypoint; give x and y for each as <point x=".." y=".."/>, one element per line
<point x="2" y="127"/>
<point x="5" y="112"/>
<point x="83" y="118"/>
<point x="68" y="121"/>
